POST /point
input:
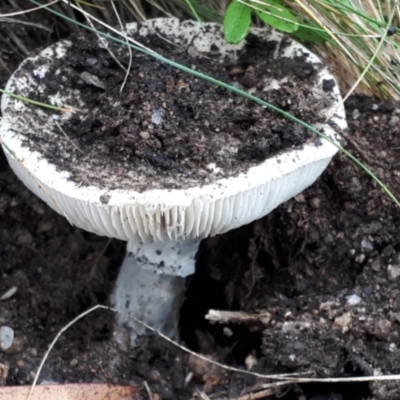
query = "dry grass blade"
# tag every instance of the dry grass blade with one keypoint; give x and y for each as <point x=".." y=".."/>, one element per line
<point x="23" y="12"/>
<point x="370" y="62"/>
<point x="121" y="25"/>
<point x="359" y="27"/>
<point x="139" y="10"/>
<point x="355" y="28"/>
<point x="365" y="71"/>
<point x="91" y="18"/>
<point x="33" y="24"/>
<point x="68" y="138"/>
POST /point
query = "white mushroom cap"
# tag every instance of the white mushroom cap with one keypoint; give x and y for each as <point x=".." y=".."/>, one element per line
<point x="163" y="214"/>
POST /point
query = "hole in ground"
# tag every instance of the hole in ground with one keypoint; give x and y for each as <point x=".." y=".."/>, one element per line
<point x="203" y="294"/>
<point x="333" y="391"/>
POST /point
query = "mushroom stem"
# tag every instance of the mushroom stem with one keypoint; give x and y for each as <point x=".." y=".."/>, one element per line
<point x="151" y="285"/>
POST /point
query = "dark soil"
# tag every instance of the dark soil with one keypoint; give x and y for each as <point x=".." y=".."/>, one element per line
<point x="323" y="269"/>
<point x="172" y="129"/>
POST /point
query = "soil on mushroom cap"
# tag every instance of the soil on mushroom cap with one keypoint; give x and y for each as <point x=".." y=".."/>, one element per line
<point x="168" y="126"/>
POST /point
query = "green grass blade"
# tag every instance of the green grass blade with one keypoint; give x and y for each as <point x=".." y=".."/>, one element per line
<point x="194" y="12"/>
<point x="12" y="153"/>
<point x="34" y="102"/>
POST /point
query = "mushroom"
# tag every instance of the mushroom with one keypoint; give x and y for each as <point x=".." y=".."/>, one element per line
<point x="163" y="227"/>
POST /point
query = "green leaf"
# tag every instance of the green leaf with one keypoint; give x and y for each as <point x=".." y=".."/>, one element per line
<point x="236" y="22"/>
<point x="273" y="13"/>
<point x="310" y="35"/>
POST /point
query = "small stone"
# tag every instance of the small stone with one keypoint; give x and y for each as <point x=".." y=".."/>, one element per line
<point x="353" y="300"/>
<point x="380" y="327"/>
<point x="300" y="198"/>
<point x="355" y="114"/>
<point x="91" y="79"/>
<point x="155" y="375"/>
<point x="144" y="135"/>
<point x="73" y="363"/>
<point x="388" y="251"/>
<point x="33" y="351"/>
<point x="315" y="202"/>
<point x="45" y="226"/>
<point x="91" y="61"/>
<point x="39" y="208"/>
<point x="156" y="117"/>
<point x="227" y="331"/>
<point x="343" y="322"/>
<point x="9" y="293"/>
<point x="360" y="258"/>
<point x="24" y="238"/>
<point x="376" y="265"/>
<point x="393" y="271"/>
<point x="6" y="338"/>
<point x="105" y="198"/>
<point x="348" y="206"/>
<point x="121" y="338"/>
<point x="250" y="362"/>
<point x="355" y="185"/>
<point x="366" y="245"/>
<point x="394" y="120"/>
<point x="20" y="363"/>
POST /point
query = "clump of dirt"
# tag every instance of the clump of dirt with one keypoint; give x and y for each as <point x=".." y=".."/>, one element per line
<point x="174" y="128"/>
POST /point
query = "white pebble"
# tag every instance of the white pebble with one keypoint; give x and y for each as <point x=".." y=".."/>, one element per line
<point x="355" y="114"/>
<point x="9" y="293"/>
<point x="393" y="271"/>
<point x="6" y="337"/>
<point x="157" y="115"/>
<point x="353" y="300"/>
<point x="90" y="79"/>
<point x="366" y="245"/>
<point x="144" y="135"/>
